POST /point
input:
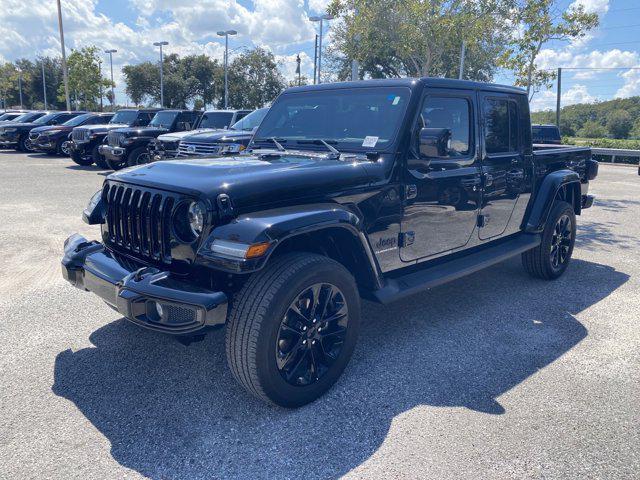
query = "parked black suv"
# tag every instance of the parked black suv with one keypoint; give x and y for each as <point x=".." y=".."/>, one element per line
<point x="128" y="146"/>
<point x="377" y="189"/>
<point x="166" y="145"/>
<point x="85" y="141"/>
<point x="55" y="139"/>
<point x="222" y="142"/>
<point x="16" y="134"/>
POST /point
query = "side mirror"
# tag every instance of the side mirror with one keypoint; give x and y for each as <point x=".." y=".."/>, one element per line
<point x="434" y="142"/>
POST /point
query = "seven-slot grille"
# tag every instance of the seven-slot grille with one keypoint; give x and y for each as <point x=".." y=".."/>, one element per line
<point x="80" y="135"/>
<point x="115" y="139"/>
<point x="139" y="220"/>
<point x="197" y="148"/>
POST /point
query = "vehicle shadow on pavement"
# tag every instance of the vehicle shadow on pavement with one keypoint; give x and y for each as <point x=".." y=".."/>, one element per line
<point x="171" y="411"/>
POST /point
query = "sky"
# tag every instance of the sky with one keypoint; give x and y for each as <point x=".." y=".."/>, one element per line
<point x="29" y="29"/>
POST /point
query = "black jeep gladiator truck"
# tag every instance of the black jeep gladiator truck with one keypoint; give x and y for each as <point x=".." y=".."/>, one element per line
<point x="55" y="139"/>
<point x="16" y="134"/>
<point x="166" y="145"/>
<point x="129" y="146"/>
<point x="375" y="189"/>
<point x="222" y="142"/>
<point x="86" y="141"/>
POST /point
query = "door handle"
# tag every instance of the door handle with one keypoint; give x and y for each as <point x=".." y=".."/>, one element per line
<point x="515" y="161"/>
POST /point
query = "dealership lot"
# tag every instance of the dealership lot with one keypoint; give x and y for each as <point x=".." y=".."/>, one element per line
<point x="496" y="375"/>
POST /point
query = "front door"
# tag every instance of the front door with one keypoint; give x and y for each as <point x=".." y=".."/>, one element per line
<point x="502" y="162"/>
<point x="442" y="193"/>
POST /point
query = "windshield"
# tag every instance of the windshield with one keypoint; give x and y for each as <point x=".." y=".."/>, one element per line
<point x="45" y="119"/>
<point x="216" y="120"/>
<point x="79" y="120"/>
<point x="9" y="116"/>
<point x="27" y="117"/>
<point x="163" y="119"/>
<point x="125" y="116"/>
<point x="348" y="118"/>
<point x="251" y="121"/>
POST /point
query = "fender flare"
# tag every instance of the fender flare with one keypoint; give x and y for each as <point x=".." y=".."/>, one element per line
<point x="545" y="196"/>
<point x="277" y="225"/>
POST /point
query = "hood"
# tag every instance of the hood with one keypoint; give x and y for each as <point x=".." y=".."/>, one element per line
<point x="217" y="136"/>
<point x="104" y="128"/>
<point x="142" y="131"/>
<point x="250" y="180"/>
<point x="48" y="128"/>
<point x="19" y="125"/>
<point x="168" y="137"/>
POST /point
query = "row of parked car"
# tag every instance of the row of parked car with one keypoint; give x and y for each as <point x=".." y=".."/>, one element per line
<point x="129" y="137"/>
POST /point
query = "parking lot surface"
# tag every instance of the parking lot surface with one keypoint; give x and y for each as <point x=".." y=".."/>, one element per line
<point x="496" y="375"/>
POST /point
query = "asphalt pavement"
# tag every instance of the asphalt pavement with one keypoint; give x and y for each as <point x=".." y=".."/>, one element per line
<point x="496" y="375"/>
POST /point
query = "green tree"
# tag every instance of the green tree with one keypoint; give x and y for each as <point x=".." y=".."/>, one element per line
<point x="254" y="79"/>
<point x="84" y="78"/>
<point x="538" y="22"/>
<point x="393" y="38"/>
<point x="619" y="124"/>
<point x="592" y="129"/>
<point x="9" y="84"/>
<point x="142" y="81"/>
<point x="635" y="132"/>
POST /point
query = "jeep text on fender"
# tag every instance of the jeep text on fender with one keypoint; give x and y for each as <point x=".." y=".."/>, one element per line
<point x="375" y="189"/>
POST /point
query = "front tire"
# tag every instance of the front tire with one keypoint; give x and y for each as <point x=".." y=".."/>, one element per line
<point x="550" y="259"/>
<point x="139" y="156"/>
<point x="22" y="144"/>
<point x="98" y="159"/>
<point x="292" y="329"/>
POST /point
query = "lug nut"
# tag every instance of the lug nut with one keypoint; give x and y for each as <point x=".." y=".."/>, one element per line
<point x="304" y="329"/>
<point x="304" y="342"/>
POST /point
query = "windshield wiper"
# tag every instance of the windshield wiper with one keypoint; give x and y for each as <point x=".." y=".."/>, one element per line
<point x="335" y="153"/>
<point x="274" y="140"/>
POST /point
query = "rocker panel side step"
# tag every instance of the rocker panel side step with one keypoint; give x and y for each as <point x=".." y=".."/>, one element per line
<point x="432" y="276"/>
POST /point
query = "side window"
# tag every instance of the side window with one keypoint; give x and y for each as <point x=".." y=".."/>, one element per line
<point x="64" y="117"/>
<point x="453" y="114"/>
<point x="144" y="119"/>
<point x="501" y="125"/>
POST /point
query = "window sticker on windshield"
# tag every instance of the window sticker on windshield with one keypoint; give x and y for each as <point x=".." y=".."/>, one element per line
<point x="395" y="101"/>
<point x="370" y="141"/>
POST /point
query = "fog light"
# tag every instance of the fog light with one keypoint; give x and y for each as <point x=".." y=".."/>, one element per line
<point x="159" y="310"/>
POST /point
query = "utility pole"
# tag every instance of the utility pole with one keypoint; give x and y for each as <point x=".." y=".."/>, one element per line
<point x="315" y="61"/>
<point x="355" y="67"/>
<point x="64" y="58"/>
<point x="225" y="34"/>
<point x="44" y="84"/>
<point x="320" y="19"/>
<point x="558" y="95"/>
<point x="113" y="95"/>
<point x="160" y="44"/>
<point x="462" y="52"/>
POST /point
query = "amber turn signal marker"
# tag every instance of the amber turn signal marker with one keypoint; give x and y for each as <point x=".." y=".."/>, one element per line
<point x="257" y="250"/>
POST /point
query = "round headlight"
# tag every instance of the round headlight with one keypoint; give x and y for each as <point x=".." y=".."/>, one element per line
<point x="196" y="217"/>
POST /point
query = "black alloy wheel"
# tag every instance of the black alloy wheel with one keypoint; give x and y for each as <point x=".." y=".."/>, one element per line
<point x="561" y="241"/>
<point x="312" y="334"/>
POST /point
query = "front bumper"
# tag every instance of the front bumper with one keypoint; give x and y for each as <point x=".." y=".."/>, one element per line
<point x="112" y="153"/>
<point x="186" y="308"/>
<point x="587" y="201"/>
<point x="44" y="143"/>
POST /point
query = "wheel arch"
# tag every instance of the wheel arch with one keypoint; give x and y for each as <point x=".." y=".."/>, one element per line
<point x="561" y="184"/>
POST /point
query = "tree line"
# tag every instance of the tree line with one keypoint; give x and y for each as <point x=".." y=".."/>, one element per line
<point x="388" y="38"/>
<point x="618" y="118"/>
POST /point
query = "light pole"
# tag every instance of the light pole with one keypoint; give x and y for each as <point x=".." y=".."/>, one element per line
<point x="226" y="34"/>
<point x="320" y="18"/>
<point x="20" y="86"/>
<point x="160" y="44"/>
<point x="44" y="84"/>
<point x="100" y="84"/>
<point x="113" y="95"/>
<point x="64" y="58"/>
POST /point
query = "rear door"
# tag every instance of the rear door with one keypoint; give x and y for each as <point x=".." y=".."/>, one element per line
<point x="503" y="161"/>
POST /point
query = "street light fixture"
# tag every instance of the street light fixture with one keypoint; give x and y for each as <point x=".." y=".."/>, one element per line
<point x="113" y="95"/>
<point x="320" y="18"/>
<point x="226" y="34"/>
<point x="161" y="44"/>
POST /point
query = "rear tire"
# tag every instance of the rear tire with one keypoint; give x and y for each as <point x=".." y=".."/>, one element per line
<point x="22" y="144"/>
<point x="550" y="259"/>
<point x="276" y="347"/>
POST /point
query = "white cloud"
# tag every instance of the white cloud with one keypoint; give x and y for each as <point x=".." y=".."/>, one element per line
<point x="593" y="6"/>
<point x="631" y="85"/>
<point x="549" y="58"/>
<point x="546" y="100"/>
